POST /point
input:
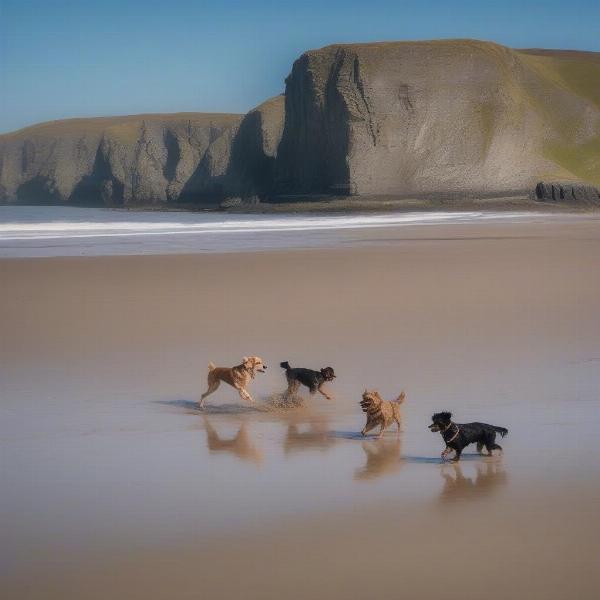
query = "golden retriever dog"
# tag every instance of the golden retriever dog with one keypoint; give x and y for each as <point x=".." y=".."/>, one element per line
<point x="380" y="412"/>
<point x="238" y="377"/>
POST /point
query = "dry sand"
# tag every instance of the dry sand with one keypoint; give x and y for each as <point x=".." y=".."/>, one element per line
<point x="114" y="485"/>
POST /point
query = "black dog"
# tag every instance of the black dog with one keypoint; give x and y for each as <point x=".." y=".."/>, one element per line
<point x="458" y="436"/>
<point x="313" y="380"/>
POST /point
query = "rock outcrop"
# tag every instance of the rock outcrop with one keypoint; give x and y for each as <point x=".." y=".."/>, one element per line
<point x="454" y="117"/>
<point x="577" y="193"/>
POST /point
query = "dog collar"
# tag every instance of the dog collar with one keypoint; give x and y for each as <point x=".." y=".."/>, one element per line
<point x="455" y="434"/>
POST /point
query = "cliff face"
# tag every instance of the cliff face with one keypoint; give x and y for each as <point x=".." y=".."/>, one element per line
<point x="398" y="119"/>
<point x="417" y="117"/>
<point x="255" y="148"/>
<point x="123" y="161"/>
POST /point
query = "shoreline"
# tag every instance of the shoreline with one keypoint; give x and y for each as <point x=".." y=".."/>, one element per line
<point x="352" y="205"/>
<point x="498" y="203"/>
<point x="77" y="232"/>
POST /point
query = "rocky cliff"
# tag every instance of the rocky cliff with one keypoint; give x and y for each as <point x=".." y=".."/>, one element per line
<point x="123" y="161"/>
<point x="394" y="119"/>
<point x="444" y="116"/>
<point x="254" y="150"/>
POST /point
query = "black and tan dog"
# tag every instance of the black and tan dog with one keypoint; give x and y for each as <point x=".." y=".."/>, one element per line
<point x="313" y="380"/>
<point x="458" y="436"/>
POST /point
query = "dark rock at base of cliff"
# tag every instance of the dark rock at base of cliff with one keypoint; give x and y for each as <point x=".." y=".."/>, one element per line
<point x="578" y="193"/>
<point x="38" y="190"/>
<point x="240" y="203"/>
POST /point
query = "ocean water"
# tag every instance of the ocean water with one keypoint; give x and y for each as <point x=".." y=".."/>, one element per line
<point x="28" y="231"/>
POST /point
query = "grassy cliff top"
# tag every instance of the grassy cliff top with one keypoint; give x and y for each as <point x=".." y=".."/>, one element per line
<point x="97" y="125"/>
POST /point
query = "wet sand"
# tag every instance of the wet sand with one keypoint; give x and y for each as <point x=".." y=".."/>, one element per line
<point x="114" y="484"/>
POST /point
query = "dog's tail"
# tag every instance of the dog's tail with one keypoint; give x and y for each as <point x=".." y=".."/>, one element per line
<point x="401" y="398"/>
<point x="501" y="430"/>
<point x="211" y="366"/>
<point x="285" y="365"/>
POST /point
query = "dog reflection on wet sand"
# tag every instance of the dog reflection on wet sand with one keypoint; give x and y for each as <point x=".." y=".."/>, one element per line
<point x="489" y="476"/>
<point x="239" y="445"/>
<point x="383" y="458"/>
<point x="316" y="435"/>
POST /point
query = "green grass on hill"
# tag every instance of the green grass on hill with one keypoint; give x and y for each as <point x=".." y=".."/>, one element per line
<point x="560" y="76"/>
<point x="124" y="125"/>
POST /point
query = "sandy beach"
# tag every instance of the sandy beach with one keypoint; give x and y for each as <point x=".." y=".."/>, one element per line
<point x="114" y="484"/>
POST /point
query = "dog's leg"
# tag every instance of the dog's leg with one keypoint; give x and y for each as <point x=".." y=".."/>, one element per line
<point x="370" y="425"/>
<point x="480" y="447"/>
<point x="322" y="392"/>
<point x="244" y="395"/>
<point x="457" y="455"/>
<point x="493" y="447"/>
<point x="380" y="435"/>
<point x="213" y="384"/>
<point x="447" y="450"/>
<point x="288" y="393"/>
<point x="293" y="385"/>
<point x="398" y="423"/>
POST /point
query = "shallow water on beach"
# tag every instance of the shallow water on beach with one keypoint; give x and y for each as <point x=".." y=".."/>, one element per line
<point x="114" y="482"/>
<point x="128" y="468"/>
<point x="33" y="231"/>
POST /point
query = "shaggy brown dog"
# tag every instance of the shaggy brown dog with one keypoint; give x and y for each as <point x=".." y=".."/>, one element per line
<point x="380" y="412"/>
<point x="238" y="377"/>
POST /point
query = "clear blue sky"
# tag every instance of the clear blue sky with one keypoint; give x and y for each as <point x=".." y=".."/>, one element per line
<point x="71" y="58"/>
